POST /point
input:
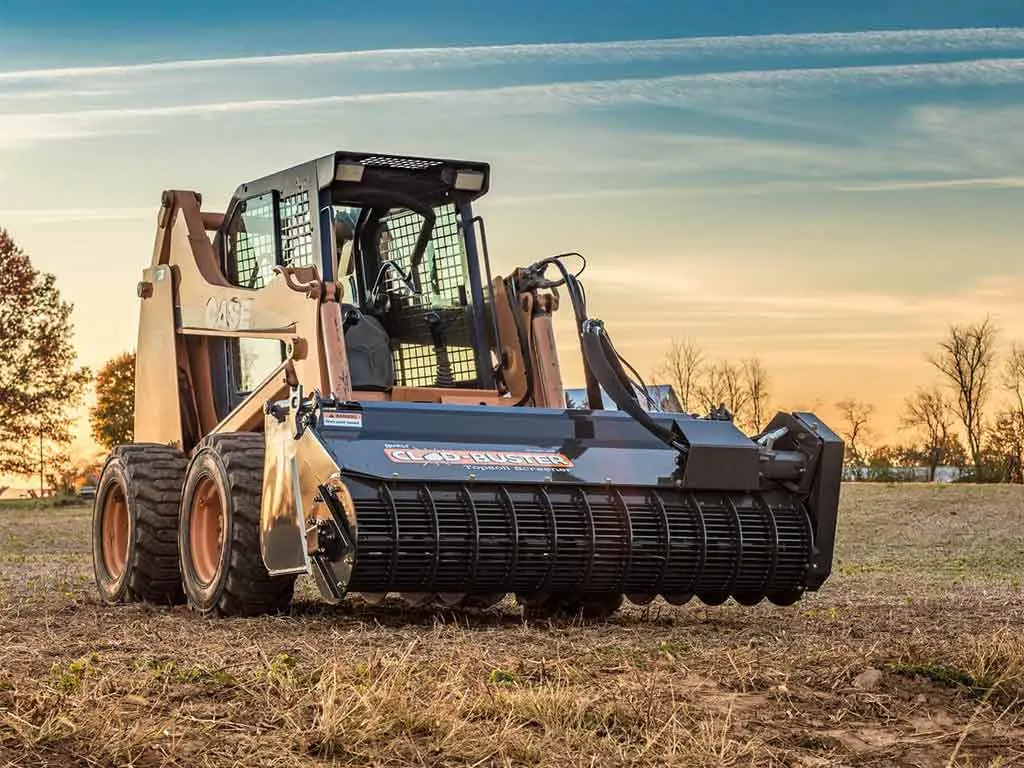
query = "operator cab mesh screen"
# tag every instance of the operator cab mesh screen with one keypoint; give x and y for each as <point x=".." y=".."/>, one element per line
<point x="263" y="240"/>
<point x="253" y="243"/>
<point x="443" y="283"/>
<point x="296" y="230"/>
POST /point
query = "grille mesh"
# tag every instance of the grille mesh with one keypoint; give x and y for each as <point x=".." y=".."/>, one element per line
<point x="401" y="163"/>
<point x="296" y="230"/>
<point x="256" y="244"/>
<point x="442" y="277"/>
<point x="442" y="537"/>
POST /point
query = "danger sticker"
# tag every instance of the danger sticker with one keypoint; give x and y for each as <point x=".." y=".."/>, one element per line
<point x="348" y="419"/>
<point x="539" y="459"/>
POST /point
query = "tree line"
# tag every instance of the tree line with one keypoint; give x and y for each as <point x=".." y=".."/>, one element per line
<point x="41" y="383"/>
<point x="970" y="416"/>
<point x="703" y="384"/>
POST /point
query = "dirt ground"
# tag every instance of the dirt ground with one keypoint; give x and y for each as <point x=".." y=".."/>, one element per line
<point x="912" y="654"/>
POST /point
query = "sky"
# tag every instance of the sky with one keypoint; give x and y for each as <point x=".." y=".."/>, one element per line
<point x="826" y="186"/>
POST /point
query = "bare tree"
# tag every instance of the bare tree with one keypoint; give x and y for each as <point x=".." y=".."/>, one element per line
<point x="928" y="410"/>
<point x="723" y="385"/>
<point x="737" y="398"/>
<point x="855" y="430"/>
<point x="965" y="359"/>
<point x="1013" y="376"/>
<point x="682" y="367"/>
<point x="710" y="391"/>
<point x="755" y="379"/>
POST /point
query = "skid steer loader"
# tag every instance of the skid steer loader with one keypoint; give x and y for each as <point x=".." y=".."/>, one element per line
<point x="330" y="381"/>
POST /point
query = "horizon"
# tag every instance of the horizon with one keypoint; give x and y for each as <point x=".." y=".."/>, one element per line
<point x="825" y="190"/>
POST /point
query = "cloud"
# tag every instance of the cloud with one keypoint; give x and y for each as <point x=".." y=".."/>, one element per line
<point x="671" y="90"/>
<point x="1004" y="182"/>
<point x="416" y="59"/>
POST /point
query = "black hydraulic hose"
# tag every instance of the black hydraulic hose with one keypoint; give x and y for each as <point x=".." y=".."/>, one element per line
<point x="597" y="350"/>
<point x="579" y="305"/>
<point x="602" y="361"/>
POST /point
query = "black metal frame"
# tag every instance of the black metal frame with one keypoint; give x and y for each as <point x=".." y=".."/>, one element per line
<point x="387" y="180"/>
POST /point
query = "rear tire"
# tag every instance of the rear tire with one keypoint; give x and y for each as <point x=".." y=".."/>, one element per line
<point x="219" y="531"/>
<point x="135" y="524"/>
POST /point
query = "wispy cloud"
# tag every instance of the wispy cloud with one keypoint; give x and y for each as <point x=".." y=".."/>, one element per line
<point x="403" y="59"/>
<point x="672" y="90"/>
<point x="1002" y="182"/>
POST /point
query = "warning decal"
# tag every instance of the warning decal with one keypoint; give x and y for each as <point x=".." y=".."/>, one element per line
<point x="350" y="419"/>
<point x="538" y="459"/>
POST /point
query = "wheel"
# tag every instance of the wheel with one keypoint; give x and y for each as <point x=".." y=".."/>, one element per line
<point x="135" y="524"/>
<point x="219" y="531"/>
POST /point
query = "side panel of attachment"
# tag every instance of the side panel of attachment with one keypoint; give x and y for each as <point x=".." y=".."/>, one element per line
<point x="823" y="501"/>
<point x="295" y="468"/>
<point x="820" y="485"/>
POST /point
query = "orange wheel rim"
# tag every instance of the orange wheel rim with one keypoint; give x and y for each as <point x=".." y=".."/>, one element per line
<point x="206" y="530"/>
<point x="114" y="532"/>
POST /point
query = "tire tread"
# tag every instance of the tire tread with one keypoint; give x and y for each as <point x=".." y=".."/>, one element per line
<point x="155" y="475"/>
<point x="249" y="589"/>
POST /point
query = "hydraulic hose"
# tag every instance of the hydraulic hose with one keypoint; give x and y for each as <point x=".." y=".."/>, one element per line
<point x="602" y="362"/>
<point x="597" y="351"/>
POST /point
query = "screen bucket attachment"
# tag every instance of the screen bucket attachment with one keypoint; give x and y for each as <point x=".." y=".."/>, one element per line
<point x="570" y="506"/>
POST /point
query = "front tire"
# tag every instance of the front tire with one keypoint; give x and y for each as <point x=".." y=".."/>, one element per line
<point x="135" y="523"/>
<point x="219" y="531"/>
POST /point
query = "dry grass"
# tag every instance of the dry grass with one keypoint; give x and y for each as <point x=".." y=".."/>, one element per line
<point x="913" y="654"/>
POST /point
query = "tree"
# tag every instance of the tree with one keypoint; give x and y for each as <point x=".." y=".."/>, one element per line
<point x="40" y="383"/>
<point x="723" y="385"/>
<point x="1004" y="447"/>
<point x="928" y="411"/>
<point x="1013" y="376"/>
<point x="965" y="359"/>
<point x="1005" y="443"/>
<point x="113" y="416"/>
<point x="702" y="385"/>
<point x="854" y="429"/>
<point x="682" y="367"/>
<point x="755" y="379"/>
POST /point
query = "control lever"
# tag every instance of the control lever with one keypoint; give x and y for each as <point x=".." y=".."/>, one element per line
<point x="444" y="366"/>
<point x="350" y="318"/>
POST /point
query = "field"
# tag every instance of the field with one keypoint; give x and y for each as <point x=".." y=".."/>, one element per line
<point x="912" y="654"/>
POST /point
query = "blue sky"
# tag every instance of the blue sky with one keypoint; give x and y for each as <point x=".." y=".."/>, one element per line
<point x="825" y="185"/>
<point x="67" y="30"/>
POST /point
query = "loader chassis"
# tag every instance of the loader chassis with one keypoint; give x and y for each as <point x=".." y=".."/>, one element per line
<point x="330" y="382"/>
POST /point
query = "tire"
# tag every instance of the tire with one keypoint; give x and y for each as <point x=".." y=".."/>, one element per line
<point x="223" y="489"/>
<point x="135" y="525"/>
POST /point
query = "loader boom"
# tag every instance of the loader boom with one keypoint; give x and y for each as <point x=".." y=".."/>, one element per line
<point x="330" y="382"/>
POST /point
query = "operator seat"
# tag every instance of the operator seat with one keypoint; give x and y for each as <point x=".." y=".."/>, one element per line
<point x="371" y="366"/>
